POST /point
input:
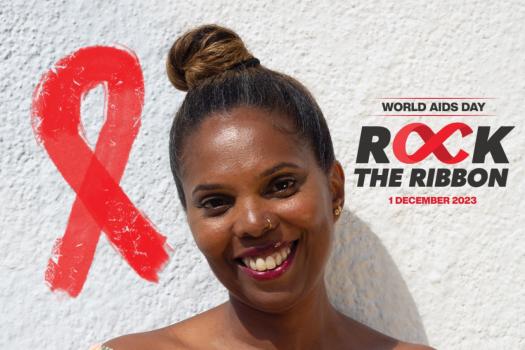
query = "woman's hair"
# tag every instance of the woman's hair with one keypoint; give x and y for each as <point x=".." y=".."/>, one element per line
<point x="212" y="64"/>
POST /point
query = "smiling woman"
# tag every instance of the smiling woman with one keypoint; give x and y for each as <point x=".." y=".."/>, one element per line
<point x="255" y="170"/>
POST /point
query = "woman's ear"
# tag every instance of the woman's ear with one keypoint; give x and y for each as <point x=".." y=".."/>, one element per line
<point x="336" y="180"/>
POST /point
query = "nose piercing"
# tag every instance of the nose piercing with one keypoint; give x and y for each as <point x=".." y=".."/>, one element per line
<point x="269" y="225"/>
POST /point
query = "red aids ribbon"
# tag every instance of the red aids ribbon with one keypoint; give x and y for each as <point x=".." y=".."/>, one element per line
<point x="433" y="143"/>
<point x="100" y="203"/>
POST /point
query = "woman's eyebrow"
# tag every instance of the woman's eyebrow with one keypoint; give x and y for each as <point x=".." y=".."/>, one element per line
<point x="206" y="187"/>
<point x="278" y="167"/>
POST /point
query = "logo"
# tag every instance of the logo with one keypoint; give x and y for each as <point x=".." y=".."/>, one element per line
<point x="449" y="168"/>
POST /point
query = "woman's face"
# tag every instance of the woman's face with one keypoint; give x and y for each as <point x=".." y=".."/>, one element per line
<point x="241" y="173"/>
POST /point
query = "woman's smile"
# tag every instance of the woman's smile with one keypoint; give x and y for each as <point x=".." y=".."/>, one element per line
<point x="268" y="263"/>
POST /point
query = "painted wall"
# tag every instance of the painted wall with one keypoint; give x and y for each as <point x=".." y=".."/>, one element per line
<point x="450" y="276"/>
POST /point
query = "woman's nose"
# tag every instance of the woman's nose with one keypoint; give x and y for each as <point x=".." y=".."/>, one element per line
<point x="252" y="219"/>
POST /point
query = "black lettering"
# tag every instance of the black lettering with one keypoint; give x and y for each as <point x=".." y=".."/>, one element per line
<point x="498" y="176"/>
<point x="381" y="177"/>
<point x="472" y="177"/>
<point x="492" y="144"/>
<point x="361" y="175"/>
<point x="417" y="177"/>
<point x="395" y="177"/>
<point x="458" y="177"/>
<point x="442" y="177"/>
<point x="367" y="145"/>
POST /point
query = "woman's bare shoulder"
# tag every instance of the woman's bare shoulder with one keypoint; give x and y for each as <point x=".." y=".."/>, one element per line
<point x="185" y="334"/>
<point x="372" y="338"/>
<point x="160" y="339"/>
<point x="199" y="330"/>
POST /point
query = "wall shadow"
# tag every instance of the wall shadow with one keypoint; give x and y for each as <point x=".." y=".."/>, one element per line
<point x="365" y="284"/>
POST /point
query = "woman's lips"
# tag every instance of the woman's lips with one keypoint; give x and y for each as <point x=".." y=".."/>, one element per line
<point x="269" y="265"/>
<point x="263" y="250"/>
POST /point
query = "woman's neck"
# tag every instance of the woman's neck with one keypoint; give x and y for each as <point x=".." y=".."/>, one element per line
<point x="305" y="325"/>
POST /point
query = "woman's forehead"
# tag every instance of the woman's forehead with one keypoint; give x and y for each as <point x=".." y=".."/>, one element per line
<point x="244" y="138"/>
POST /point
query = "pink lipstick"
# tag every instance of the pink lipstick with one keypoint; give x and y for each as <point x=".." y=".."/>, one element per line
<point x="270" y="265"/>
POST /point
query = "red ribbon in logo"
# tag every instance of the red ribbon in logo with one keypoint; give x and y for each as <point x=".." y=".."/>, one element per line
<point x="100" y="203"/>
<point x="433" y="143"/>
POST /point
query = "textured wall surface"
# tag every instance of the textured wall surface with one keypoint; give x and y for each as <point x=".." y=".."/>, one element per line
<point x="450" y="276"/>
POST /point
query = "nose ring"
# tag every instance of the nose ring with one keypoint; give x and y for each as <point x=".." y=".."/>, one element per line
<point x="269" y="225"/>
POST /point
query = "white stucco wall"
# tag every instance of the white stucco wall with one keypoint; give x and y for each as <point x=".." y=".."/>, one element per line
<point x="449" y="276"/>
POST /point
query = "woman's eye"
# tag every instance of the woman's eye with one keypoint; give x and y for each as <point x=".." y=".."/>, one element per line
<point x="214" y="203"/>
<point x="283" y="186"/>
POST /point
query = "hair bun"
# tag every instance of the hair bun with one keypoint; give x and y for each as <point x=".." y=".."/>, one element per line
<point x="203" y="52"/>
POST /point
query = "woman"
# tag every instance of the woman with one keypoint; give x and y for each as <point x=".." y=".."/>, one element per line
<point x="255" y="172"/>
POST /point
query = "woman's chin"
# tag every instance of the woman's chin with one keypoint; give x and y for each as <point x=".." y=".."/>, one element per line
<point x="269" y="302"/>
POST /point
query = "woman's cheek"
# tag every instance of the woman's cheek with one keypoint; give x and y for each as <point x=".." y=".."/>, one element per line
<point x="307" y="209"/>
<point x="211" y="238"/>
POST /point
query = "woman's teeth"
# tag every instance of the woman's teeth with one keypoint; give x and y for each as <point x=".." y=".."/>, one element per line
<point x="261" y="263"/>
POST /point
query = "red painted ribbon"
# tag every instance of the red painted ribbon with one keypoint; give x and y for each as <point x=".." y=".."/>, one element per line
<point x="433" y="143"/>
<point x="100" y="204"/>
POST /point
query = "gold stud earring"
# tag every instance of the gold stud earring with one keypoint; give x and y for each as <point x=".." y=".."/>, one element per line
<point x="338" y="210"/>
